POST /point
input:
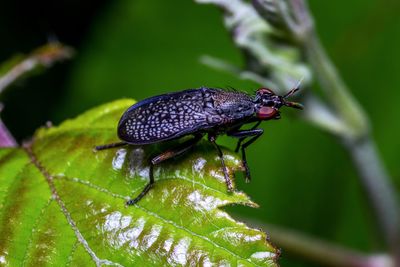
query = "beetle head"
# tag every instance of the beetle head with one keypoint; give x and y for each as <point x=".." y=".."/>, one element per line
<point x="269" y="103"/>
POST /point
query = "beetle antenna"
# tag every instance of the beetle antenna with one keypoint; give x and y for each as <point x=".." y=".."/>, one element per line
<point x="292" y="92"/>
<point x="299" y="82"/>
<point x="293" y="105"/>
<point x="295" y="89"/>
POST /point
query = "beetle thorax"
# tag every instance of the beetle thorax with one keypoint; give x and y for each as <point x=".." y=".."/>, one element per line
<point x="234" y="105"/>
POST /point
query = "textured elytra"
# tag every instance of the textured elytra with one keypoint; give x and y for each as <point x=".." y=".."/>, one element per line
<point x="79" y="217"/>
<point x="176" y="114"/>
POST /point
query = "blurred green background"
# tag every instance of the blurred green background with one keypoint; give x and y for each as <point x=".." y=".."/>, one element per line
<point x="302" y="177"/>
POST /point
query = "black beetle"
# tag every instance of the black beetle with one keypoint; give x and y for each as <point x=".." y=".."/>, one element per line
<point x="198" y="112"/>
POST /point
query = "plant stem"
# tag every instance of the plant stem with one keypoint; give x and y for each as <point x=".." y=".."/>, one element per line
<point x="334" y="87"/>
<point x="379" y="191"/>
<point x="340" y="114"/>
<point x="44" y="56"/>
<point x="360" y="145"/>
<point x="323" y="252"/>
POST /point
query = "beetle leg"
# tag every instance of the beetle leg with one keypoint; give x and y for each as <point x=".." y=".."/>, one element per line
<point x="239" y="143"/>
<point x="170" y="153"/>
<point x="228" y="180"/>
<point x="255" y="133"/>
<point x="145" y="190"/>
<point x="107" y="146"/>
<point x="180" y="149"/>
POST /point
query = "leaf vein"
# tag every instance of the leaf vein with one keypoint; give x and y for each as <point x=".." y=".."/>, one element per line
<point x="49" y="178"/>
<point x="166" y="221"/>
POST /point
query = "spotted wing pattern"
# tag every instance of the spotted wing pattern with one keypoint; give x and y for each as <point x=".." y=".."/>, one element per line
<point x="165" y="117"/>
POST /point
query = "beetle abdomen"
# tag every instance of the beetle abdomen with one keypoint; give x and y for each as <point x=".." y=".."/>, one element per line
<point x="163" y="117"/>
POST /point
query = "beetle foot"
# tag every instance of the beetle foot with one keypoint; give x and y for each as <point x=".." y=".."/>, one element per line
<point x="247" y="172"/>
<point x="140" y="196"/>
<point x="247" y="179"/>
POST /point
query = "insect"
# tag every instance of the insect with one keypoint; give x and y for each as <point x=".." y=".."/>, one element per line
<point x="198" y="112"/>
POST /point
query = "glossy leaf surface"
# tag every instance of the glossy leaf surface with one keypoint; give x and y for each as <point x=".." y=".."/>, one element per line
<point x="62" y="204"/>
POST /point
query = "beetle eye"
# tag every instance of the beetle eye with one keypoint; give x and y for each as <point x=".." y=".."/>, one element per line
<point x="270" y="103"/>
<point x="267" y="113"/>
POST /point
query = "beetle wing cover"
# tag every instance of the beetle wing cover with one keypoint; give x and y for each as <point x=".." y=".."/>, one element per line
<point x="164" y="117"/>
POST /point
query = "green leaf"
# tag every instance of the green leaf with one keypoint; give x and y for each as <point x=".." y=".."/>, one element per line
<point x="62" y="204"/>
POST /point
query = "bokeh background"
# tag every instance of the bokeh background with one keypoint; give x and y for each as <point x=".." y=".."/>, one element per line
<point x="302" y="177"/>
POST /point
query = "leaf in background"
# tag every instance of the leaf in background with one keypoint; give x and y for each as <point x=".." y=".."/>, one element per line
<point x="63" y="204"/>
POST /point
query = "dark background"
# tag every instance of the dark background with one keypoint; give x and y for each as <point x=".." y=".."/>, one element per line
<point x="302" y="177"/>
